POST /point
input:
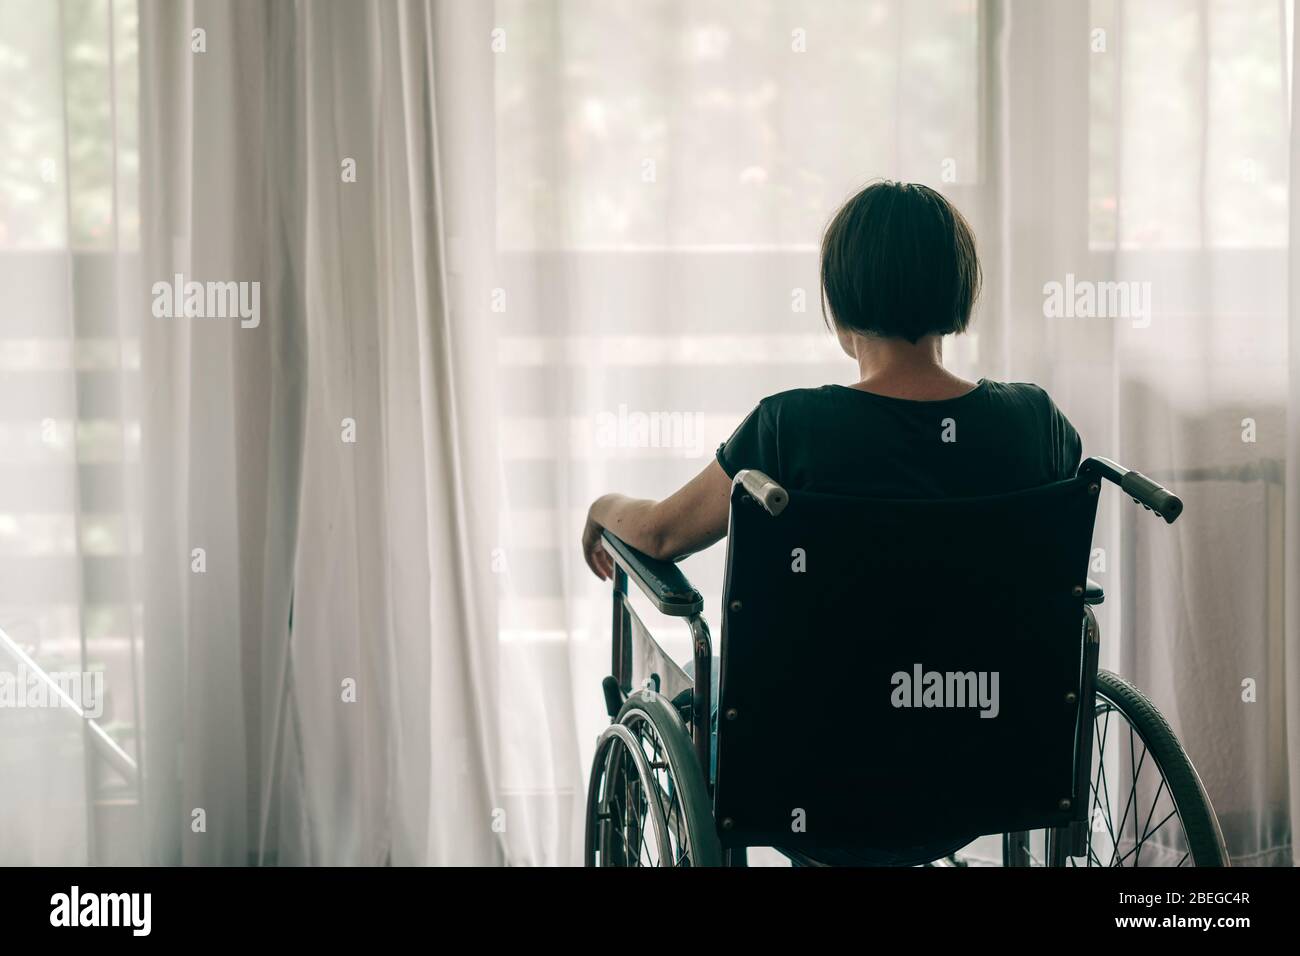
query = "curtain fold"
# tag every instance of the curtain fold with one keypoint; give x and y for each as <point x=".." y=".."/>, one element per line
<point x="221" y="426"/>
<point x="1291" y="593"/>
<point x="318" y="455"/>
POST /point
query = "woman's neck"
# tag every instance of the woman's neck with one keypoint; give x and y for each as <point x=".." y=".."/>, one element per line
<point x="903" y="369"/>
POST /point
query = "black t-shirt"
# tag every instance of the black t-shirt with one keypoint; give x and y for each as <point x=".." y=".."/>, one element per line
<point x="997" y="438"/>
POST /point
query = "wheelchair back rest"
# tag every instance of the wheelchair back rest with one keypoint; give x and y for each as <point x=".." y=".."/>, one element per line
<point x="896" y="673"/>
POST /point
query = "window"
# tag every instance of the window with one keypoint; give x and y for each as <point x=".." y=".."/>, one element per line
<point x="69" y="348"/>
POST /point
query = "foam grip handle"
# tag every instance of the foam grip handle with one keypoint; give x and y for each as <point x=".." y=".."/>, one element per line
<point x="1160" y="500"/>
<point x="764" y="490"/>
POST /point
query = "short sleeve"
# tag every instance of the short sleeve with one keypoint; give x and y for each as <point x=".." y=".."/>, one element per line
<point x="1066" y="443"/>
<point x="752" y="445"/>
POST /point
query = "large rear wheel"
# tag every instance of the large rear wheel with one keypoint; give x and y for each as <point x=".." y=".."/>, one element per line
<point x="647" y="801"/>
<point x="1147" y="804"/>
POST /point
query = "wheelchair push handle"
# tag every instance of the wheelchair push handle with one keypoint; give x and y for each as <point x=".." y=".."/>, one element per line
<point x="1149" y="494"/>
<point x="762" y="489"/>
<point x="1159" y="499"/>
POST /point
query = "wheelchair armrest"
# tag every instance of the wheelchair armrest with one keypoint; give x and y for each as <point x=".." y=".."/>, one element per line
<point x="662" y="581"/>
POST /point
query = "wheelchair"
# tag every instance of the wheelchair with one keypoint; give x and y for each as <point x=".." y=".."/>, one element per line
<point x="889" y="696"/>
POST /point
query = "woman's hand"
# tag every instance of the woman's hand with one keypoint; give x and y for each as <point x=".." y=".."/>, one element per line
<point x="689" y="520"/>
<point x="598" y="559"/>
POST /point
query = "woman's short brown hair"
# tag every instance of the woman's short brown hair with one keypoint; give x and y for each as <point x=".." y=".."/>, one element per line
<point x="899" y="260"/>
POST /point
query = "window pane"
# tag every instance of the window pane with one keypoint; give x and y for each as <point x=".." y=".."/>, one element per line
<point x="715" y="123"/>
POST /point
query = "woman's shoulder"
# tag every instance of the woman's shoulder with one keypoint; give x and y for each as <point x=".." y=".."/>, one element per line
<point x="798" y="396"/>
<point x="1026" y="393"/>
<point x="1032" y="403"/>
<point x="1029" y="389"/>
<point x="795" y="403"/>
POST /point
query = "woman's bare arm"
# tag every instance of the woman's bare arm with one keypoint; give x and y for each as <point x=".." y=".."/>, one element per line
<point x="689" y="520"/>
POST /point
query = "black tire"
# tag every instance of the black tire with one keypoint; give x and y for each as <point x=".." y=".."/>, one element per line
<point x="1197" y="841"/>
<point x="652" y="809"/>
<point x="1200" y="826"/>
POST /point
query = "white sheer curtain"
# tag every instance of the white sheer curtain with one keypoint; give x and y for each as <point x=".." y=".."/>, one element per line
<point x="565" y="216"/>
<point x="69" y="428"/>
<point x="262" y="526"/>
<point x="395" y="542"/>
<point x="337" y="654"/>
<point x="1159" y="158"/>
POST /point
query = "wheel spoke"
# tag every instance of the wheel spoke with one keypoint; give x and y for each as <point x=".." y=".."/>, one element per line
<point x="1105" y="789"/>
<point x="662" y="790"/>
<point x="636" y="815"/>
<point x="1152" y="811"/>
<point x="1131" y="802"/>
<point x="1138" y="847"/>
<point x="1146" y="827"/>
<point x="1150" y="830"/>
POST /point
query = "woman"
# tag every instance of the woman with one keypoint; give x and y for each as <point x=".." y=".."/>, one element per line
<point x="899" y="271"/>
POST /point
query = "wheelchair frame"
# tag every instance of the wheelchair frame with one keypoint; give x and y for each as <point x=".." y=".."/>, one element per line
<point x="667" y="588"/>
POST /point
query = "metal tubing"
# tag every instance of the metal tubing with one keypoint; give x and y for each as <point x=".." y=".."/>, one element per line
<point x="701" y="698"/>
<point x="619" y="664"/>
